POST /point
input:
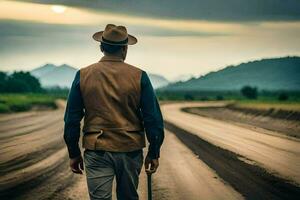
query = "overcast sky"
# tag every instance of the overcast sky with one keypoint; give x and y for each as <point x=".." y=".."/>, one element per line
<point x="174" y="37"/>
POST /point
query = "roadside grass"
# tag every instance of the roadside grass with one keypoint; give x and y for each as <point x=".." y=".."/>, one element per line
<point x="24" y="102"/>
<point x="268" y="104"/>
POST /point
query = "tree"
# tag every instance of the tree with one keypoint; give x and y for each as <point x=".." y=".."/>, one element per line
<point x="16" y="86"/>
<point x="3" y="79"/>
<point x="283" y="96"/>
<point x="219" y="98"/>
<point x="30" y="81"/>
<point x="188" y="97"/>
<point x="249" y="92"/>
<point x="19" y="82"/>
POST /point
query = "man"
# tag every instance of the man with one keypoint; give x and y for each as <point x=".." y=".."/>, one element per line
<point x="119" y="106"/>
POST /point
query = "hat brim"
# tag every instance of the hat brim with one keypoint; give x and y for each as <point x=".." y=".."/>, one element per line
<point x="98" y="37"/>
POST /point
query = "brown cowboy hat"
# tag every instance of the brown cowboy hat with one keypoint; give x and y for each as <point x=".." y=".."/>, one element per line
<point x="115" y="35"/>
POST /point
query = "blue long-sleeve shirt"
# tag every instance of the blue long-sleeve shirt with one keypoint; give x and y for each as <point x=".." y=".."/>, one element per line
<point x="152" y="117"/>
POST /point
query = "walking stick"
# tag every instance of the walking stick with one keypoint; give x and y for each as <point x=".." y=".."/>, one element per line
<point x="149" y="186"/>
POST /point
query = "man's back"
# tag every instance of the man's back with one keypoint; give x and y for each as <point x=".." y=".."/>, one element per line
<point x="111" y="92"/>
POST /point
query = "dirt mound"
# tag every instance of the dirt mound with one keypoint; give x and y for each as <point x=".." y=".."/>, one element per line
<point x="271" y="112"/>
<point x="281" y="121"/>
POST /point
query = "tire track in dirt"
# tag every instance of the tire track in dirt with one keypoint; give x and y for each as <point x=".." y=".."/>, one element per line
<point x="19" y="180"/>
<point x="28" y="159"/>
<point x="30" y="143"/>
<point x="252" y="181"/>
<point x="34" y="159"/>
<point x="36" y="124"/>
<point x="7" y="118"/>
<point x="16" y="120"/>
<point x="39" y="134"/>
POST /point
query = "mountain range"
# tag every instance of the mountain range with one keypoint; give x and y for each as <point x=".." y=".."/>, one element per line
<point x="266" y="74"/>
<point x="51" y="75"/>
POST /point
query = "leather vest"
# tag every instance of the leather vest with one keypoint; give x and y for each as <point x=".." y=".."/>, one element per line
<point x="111" y="95"/>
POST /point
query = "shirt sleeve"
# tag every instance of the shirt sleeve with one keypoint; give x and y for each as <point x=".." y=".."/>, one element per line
<point x="73" y="115"/>
<point x="152" y="117"/>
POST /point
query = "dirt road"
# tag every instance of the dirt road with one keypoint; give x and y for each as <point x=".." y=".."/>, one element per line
<point x="278" y="155"/>
<point x="34" y="165"/>
<point x="201" y="158"/>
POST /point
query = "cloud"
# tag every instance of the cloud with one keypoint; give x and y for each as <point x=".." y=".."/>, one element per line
<point x="10" y="10"/>
<point x="212" y="10"/>
<point x="14" y="28"/>
<point x="18" y="37"/>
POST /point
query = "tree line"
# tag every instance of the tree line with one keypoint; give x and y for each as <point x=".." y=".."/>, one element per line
<point x="252" y="93"/>
<point x="19" y="82"/>
<point x="246" y="92"/>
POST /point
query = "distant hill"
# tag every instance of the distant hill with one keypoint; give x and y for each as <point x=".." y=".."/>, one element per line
<point x="266" y="74"/>
<point x="51" y="75"/>
<point x="182" y="78"/>
<point x="40" y="71"/>
<point x="158" y="80"/>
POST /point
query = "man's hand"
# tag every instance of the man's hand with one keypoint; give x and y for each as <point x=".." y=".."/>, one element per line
<point x="76" y="165"/>
<point x="151" y="165"/>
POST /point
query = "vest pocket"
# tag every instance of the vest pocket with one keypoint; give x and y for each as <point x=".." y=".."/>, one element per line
<point x="89" y="140"/>
<point x="141" y="132"/>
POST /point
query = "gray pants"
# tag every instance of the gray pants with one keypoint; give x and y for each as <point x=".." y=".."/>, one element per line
<point x="102" y="166"/>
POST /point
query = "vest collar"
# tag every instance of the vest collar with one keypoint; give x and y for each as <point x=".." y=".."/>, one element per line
<point x="111" y="59"/>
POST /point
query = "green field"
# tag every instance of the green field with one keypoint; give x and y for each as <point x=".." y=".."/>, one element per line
<point x="23" y="102"/>
<point x="27" y="101"/>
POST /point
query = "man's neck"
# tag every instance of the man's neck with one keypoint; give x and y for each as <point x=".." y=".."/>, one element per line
<point x="114" y="55"/>
<point x="111" y="58"/>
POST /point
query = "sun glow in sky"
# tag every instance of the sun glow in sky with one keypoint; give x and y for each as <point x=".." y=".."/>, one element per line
<point x="33" y="34"/>
<point x="58" y="9"/>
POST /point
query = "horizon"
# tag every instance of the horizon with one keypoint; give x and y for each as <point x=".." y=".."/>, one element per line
<point x="200" y="42"/>
<point x="170" y="80"/>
